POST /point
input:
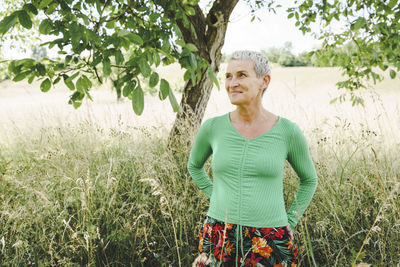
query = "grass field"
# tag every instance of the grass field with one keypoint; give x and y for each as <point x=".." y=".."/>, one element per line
<point x="97" y="186"/>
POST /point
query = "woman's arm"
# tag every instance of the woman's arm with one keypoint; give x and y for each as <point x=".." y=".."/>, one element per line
<point x="199" y="154"/>
<point x="300" y="159"/>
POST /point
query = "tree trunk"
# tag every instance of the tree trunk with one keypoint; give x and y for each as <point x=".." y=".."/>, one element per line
<point x="209" y="39"/>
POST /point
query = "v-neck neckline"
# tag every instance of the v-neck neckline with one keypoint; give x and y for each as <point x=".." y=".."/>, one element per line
<point x="250" y="139"/>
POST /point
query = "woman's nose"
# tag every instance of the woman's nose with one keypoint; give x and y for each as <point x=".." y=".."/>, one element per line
<point x="232" y="82"/>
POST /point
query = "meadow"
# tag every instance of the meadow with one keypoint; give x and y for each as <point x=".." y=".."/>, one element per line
<point x="98" y="186"/>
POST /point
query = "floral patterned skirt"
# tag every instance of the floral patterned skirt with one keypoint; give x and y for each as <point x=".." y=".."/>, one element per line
<point x="225" y="244"/>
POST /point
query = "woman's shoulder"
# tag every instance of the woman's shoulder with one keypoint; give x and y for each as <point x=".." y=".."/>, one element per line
<point x="289" y="126"/>
<point x="215" y="120"/>
<point x="287" y="122"/>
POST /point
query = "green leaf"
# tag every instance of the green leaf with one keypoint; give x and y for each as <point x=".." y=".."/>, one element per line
<point x="57" y="80"/>
<point x="129" y="87"/>
<point x="190" y="11"/>
<point x="383" y="66"/>
<point x="68" y="59"/>
<point x="45" y="85"/>
<point x="150" y="58"/>
<point x="187" y="75"/>
<point x="191" y="47"/>
<point x="392" y="4"/>
<point x="21" y="76"/>
<point x="106" y="67"/>
<point x="73" y="76"/>
<point x="97" y="59"/>
<point x="24" y="19"/>
<point x="154" y="17"/>
<point x="392" y="74"/>
<point x="26" y="62"/>
<point x="76" y="99"/>
<point x="360" y="22"/>
<point x="164" y="89"/>
<point x="138" y="100"/>
<point x="41" y="69"/>
<point x="31" y="8"/>
<point x="157" y="58"/>
<point x="212" y="77"/>
<point x="77" y="104"/>
<point x="88" y="83"/>
<point x="180" y="42"/>
<point x="44" y="3"/>
<point x="177" y="30"/>
<point x="172" y="100"/>
<point x="144" y="67"/>
<point x="7" y="23"/>
<point x="193" y="77"/>
<point x="31" y="78"/>
<point x="290" y="15"/>
<point x="166" y="46"/>
<point x="154" y="79"/>
<point x="45" y="26"/>
<point x="50" y="10"/>
<point x="68" y="82"/>
<point x="133" y="37"/>
<point x="76" y="36"/>
<point x="193" y="61"/>
<point x="119" y="57"/>
<point x="81" y="85"/>
<point x="110" y="25"/>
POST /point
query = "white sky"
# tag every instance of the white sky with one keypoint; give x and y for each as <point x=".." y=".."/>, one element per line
<point x="272" y="31"/>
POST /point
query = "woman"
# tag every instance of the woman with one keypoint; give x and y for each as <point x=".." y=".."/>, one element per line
<point x="246" y="223"/>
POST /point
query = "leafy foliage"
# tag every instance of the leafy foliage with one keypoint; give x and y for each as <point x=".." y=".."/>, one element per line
<point x="101" y="39"/>
<point x="11" y="41"/>
<point x="371" y="27"/>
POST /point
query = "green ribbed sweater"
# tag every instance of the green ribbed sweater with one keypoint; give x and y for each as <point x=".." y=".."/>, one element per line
<point x="247" y="186"/>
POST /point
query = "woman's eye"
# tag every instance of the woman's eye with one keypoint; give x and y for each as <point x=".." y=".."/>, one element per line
<point x="242" y="75"/>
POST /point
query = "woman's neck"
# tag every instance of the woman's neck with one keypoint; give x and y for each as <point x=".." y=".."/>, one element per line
<point x="249" y="114"/>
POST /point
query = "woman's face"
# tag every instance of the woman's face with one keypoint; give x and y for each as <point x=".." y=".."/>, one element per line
<point x="242" y="84"/>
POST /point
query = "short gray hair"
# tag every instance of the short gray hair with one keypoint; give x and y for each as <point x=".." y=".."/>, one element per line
<point x="261" y="62"/>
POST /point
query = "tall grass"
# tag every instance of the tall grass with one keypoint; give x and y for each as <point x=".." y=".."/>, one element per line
<point x="83" y="195"/>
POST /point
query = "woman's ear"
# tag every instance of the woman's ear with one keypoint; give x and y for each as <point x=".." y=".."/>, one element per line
<point x="266" y="80"/>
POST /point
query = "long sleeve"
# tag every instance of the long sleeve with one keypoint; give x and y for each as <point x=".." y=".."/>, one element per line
<point x="300" y="159"/>
<point x="199" y="154"/>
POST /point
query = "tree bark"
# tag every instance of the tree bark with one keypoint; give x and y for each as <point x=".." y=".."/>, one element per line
<point x="209" y="38"/>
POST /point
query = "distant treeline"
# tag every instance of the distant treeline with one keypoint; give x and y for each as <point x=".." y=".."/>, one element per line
<point x="286" y="58"/>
